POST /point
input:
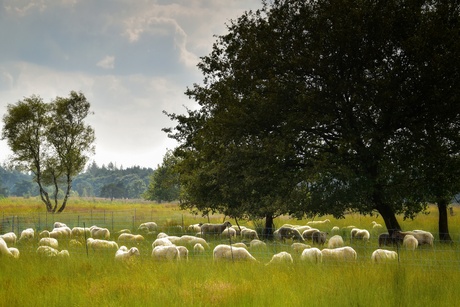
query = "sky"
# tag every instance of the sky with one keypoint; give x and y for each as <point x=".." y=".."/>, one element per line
<point x="132" y="59"/>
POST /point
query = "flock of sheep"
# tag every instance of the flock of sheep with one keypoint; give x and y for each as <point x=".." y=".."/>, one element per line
<point x="176" y="248"/>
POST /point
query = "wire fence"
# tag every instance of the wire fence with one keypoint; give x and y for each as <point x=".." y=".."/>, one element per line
<point x="438" y="256"/>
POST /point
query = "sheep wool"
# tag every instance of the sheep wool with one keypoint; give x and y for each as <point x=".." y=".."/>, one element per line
<point x="313" y="255"/>
<point x="383" y="255"/>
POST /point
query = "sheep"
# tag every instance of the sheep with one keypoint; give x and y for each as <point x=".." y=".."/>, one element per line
<point x="345" y="253"/>
<point x="284" y="233"/>
<point x="308" y="234"/>
<point x="166" y="253"/>
<point x="147" y="227"/>
<point x="9" y="238"/>
<point x="318" y="222"/>
<point x="62" y="233"/>
<point x="229" y="232"/>
<point x="99" y="233"/>
<point x="376" y="225"/>
<point x="240" y="244"/>
<point x="99" y="245"/>
<point x="162" y="242"/>
<point x="52" y="242"/>
<point x="335" y="241"/>
<point x="214" y="228"/>
<point x="130" y="238"/>
<point x="383" y="255"/>
<point x="302" y="228"/>
<point x="75" y="243"/>
<point x="198" y="248"/>
<point x="410" y="242"/>
<point x="123" y="254"/>
<point x="423" y="237"/>
<point x="194" y="228"/>
<point x="4" y="250"/>
<point x="27" y="235"/>
<point x="281" y="258"/>
<point x="183" y="253"/>
<point x="44" y="234"/>
<point x="48" y="251"/>
<point x="162" y="235"/>
<point x="257" y="244"/>
<point x="249" y="234"/>
<point x="227" y="252"/>
<point x="313" y="255"/>
<point x="299" y="247"/>
<point x="125" y="230"/>
<point x="188" y="240"/>
<point x="80" y="233"/>
<point x="14" y="252"/>
<point x="335" y="229"/>
<point x="360" y="234"/>
<point x="385" y="240"/>
<point x="59" y="224"/>
<point x="319" y="237"/>
<point x="238" y="229"/>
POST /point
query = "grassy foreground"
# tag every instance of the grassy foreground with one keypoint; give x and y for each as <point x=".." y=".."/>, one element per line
<point x="425" y="277"/>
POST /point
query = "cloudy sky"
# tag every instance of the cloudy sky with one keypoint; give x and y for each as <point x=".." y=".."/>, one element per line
<point x="132" y="59"/>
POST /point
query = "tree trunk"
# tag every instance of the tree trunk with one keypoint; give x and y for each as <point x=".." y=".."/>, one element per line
<point x="389" y="218"/>
<point x="443" y="225"/>
<point x="268" y="230"/>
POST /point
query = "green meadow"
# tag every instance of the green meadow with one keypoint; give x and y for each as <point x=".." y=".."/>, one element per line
<point x="425" y="277"/>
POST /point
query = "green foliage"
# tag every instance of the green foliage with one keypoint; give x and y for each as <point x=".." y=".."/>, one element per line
<point x="50" y="140"/>
<point x="164" y="181"/>
<point x="328" y="106"/>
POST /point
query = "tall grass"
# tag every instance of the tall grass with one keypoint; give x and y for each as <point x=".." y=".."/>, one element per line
<point x="425" y="277"/>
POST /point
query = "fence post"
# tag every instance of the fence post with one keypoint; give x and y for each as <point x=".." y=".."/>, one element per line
<point x="112" y="221"/>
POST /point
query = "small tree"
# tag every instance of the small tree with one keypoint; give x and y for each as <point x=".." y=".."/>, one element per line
<point x="164" y="181"/>
<point x="51" y="140"/>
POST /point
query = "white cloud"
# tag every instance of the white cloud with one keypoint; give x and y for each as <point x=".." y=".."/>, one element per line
<point x="107" y="63"/>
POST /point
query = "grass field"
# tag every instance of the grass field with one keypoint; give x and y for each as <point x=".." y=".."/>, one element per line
<point x="426" y="277"/>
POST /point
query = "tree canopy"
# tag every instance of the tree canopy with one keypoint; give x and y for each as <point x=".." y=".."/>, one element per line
<point x="322" y="107"/>
<point x="50" y="140"/>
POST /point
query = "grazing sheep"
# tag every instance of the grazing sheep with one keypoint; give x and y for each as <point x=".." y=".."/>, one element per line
<point x="240" y="244"/>
<point x="75" y="243"/>
<point x="126" y="230"/>
<point x="4" y="250"/>
<point x="227" y="252"/>
<point x="302" y="228"/>
<point x="183" y="253"/>
<point x="187" y="240"/>
<point x="214" y="229"/>
<point x="376" y="225"/>
<point x="162" y="235"/>
<point x="194" y="228"/>
<point x="130" y="238"/>
<point x="238" y="229"/>
<point x="319" y="237"/>
<point x="257" y="244"/>
<point x="335" y="241"/>
<point x="281" y="258"/>
<point x="52" y="242"/>
<point x="345" y="253"/>
<point x="360" y="234"/>
<point x="385" y="240"/>
<point x="313" y="255"/>
<point x="335" y="229"/>
<point x="162" y="242"/>
<point x="44" y="234"/>
<point x="308" y="234"/>
<point x="410" y="242"/>
<point x="99" y="233"/>
<point x="383" y="255"/>
<point x="318" y="222"/>
<point x="99" y="245"/>
<point x="14" y="251"/>
<point x="299" y="247"/>
<point x="229" y="232"/>
<point x="9" y="238"/>
<point x="48" y="251"/>
<point x="80" y="233"/>
<point x="249" y="234"/>
<point x="147" y="227"/>
<point x="27" y="235"/>
<point x="284" y="233"/>
<point x="59" y="224"/>
<point x="423" y="237"/>
<point x="123" y="254"/>
<point x="166" y="253"/>
<point x="198" y="249"/>
<point x="61" y="233"/>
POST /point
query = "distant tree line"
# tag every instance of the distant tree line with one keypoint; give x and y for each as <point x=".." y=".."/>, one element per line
<point x="96" y="181"/>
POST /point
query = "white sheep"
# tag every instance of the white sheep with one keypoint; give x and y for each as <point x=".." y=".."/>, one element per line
<point x="52" y="242"/>
<point x="99" y="245"/>
<point x="125" y="254"/>
<point x="240" y="244"/>
<point x="161" y="242"/>
<point x="345" y="253"/>
<point x="257" y="244"/>
<point x="99" y="233"/>
<point x="4" y="250"/>
<point x="318" y="222"/>
<point x="335" y="241"/>
<point x="281" y="258"/>
<point x="147" y="227"/>
<point x="229" y="232"/>
<point x="249" y="234"/>
<point x="313" y="255"/>
<point x="302" y="228"/>
<point x="48" y="251"/>
<point x="360" y="234"/>
<point x="59" y="224"/>
<point x="9" y="238"/>
<point x="308" y="234"/>
<point x="166" y="253"/>
<point x="80" y="233"/>
<point x="130" y="238"/>
<point x="183" y="253"/>
<point x="194" y="228"/>
<point x="226" y="252"/>
<point x="14" y="251"/>
<point x="383" y="255"/>
<point x="376" y="225"/>
<point x="198" y="248"/>
<point x="187" y="240"/>
<point x="410" y="242"/>
<point x="27" y="235"/>
<point x="299" y="247"/>
<point x="335" y="229"/>
<point x="423" y="237"/>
